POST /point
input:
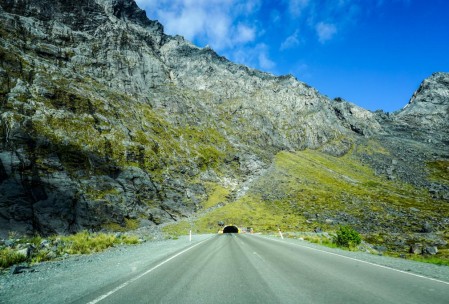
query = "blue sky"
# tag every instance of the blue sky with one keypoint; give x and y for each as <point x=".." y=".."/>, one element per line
<point x="374" y="53"/>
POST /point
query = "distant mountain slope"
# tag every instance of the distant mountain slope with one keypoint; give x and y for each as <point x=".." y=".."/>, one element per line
<point x="108" y="123"/>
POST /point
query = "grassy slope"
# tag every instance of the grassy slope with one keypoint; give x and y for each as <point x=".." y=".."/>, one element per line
<point x="309" y="189"/>
<point x="439" y="171"/>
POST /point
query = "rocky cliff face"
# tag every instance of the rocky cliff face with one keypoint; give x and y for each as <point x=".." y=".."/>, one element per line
<point x="429" y="106"/>
<point x="108" y="122"/>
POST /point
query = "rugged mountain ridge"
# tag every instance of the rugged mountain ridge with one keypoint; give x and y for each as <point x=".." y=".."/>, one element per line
<point x="429" y="105"/>
<point x="107" y="122"/>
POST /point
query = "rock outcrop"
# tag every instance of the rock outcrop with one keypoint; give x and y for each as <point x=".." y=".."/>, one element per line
<point x="429" y="106"/>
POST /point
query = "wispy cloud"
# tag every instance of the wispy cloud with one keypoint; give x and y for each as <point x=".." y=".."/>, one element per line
<point x="291" y="41"/>
<point x="325" y="19"/>
<point x="257" y="56"/>
<point x="275" y="16"/>
<point x="265" y="63"/>
<point x="296" y="7"/>
<point x="228" y="26"/>
<point x="222" y="24"/>
<point x="325" y="31"/>
<point x="244" y="33"/>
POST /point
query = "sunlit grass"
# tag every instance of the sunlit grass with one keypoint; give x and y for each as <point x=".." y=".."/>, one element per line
<point x="439" y="171"/>
<point x="430" y="260"/>
<point x="216" y="194"/>
<point x="10" y="257"/>
<point x="80" y="243"/>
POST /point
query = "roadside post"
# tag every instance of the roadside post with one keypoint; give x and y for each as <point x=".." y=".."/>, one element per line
<point x="280" y="233"/>
<point x="191" y="228"/>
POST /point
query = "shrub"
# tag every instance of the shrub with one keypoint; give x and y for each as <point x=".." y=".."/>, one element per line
<point x="348" y="237"/>
<point x="9" y="257"/>
<point x="84" y="242"/>
<point x="130" y="240"/>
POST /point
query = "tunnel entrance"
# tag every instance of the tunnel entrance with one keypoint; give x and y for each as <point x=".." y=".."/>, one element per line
<point x="230" y="229"/>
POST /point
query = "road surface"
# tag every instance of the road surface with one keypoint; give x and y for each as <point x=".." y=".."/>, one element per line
<point x="238" y="268"/>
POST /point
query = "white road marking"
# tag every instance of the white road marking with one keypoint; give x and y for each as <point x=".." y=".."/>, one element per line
<point x="354" y="259"/>
<point x="259" y="256"/>
<point x="100" y="298"/>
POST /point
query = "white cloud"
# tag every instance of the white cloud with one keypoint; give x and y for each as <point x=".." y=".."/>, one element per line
<point x="325" y="31"/>
<point x="188" y="22"/>
<point x="256" y="57"/>
<point x="245" y="34"/>
<point x="247" y="7"/>
<point x="324" y="19"/>
<point x="296" y="7"/>
<point x="291" y="41"/>
<point x="266" y="63"/>
<point x="222" y="24"/>
<point x="275" y="16"/>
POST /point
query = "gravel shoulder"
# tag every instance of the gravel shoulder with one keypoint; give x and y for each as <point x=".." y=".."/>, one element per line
<point x="67" y="280"/>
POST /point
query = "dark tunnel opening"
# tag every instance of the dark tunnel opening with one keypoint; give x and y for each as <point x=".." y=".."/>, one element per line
<point x="230" y="229"/>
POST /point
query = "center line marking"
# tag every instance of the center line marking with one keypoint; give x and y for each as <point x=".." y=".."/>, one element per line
<point x="259" y="256"/>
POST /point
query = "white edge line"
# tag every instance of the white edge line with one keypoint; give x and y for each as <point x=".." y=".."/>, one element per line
<point x="354" y="259"/>
<point x="100" y="298"/>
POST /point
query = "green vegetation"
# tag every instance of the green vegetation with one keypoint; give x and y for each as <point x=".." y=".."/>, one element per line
<point x="347" y="237"/>
<point x="180" y="228"/>
<point x="371" y="147"/>
<point x="439" y="171"/>
<point x="430" y="259"/>
<point x="57" y="246"/>
<point x="84" y="242"/>
<point x="216" y="194"/>
<point x="129" y="224"/>
<point x="10" y="257"/>
<point x="311" y="182"/>
<point x="249" y="211"/>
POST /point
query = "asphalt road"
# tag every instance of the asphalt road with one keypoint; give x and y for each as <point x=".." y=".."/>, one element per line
<point x="236" y="268"/>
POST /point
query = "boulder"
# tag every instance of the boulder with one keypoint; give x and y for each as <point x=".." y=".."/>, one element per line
<point x="416" y="249"/>
<point x="426" y="228"/>
<point x="26" y="252"/>
<point x="16" y="269"/>
<point x="380" y="248"/>
<point x="432" y="250"/>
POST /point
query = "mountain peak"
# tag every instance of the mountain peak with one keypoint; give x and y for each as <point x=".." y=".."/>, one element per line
<point x="82" y="15"/>
<point x="429" y="105"/>
<point x="127" y="10"/>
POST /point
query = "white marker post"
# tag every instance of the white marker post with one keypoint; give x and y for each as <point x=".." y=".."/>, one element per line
<point x="190" y="236"/>
<point x="280" y="233"/>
